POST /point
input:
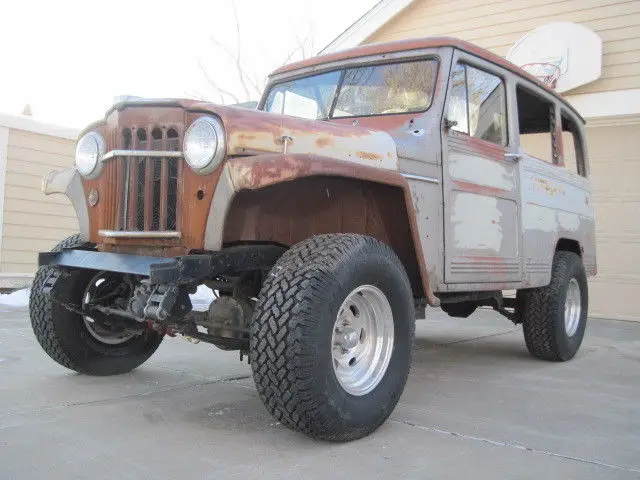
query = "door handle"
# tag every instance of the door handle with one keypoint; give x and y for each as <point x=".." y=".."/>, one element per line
<point x="513" y="156"/>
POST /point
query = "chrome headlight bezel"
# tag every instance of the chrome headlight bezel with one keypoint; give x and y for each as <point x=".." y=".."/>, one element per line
<point x="211" y="157"/>
<point x="95" y="142"/>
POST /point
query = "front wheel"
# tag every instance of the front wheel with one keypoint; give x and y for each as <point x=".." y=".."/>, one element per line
<point x="554" y="317"/>
<point x="90" y="345"/>
<point x="331" y="336"/>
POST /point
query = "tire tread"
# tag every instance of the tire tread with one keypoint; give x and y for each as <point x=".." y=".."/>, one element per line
<point x="540" y="307"/>
<point x="41" y="309"/>
<point x="282" y="371"/>
<point x="59" y="337"/>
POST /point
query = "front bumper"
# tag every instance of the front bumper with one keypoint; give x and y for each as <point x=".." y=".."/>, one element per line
<point x="176" y="270"/>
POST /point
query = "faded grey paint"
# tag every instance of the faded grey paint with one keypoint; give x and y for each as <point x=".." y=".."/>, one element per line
<point x="222" y="198"/>
<point x="69" y="182"/>
<point x="479" y="229"/>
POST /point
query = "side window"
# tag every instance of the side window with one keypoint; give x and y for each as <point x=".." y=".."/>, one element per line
<point x="458" y="111"/>
<point x="477" y="104"/>
<point x="572" y="151"/>
<point x="536" y="118"/>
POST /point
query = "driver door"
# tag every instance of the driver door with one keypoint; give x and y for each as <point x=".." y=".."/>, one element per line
<point x="480" y="178"/>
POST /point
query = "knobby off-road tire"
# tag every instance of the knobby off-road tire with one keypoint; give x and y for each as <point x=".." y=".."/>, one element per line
<point x="543" y="311"/>
<point x="294" y="325"/>
<point x="63" y="334"/>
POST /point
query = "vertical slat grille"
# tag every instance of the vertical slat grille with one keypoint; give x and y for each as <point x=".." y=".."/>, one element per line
<point x="172" y="195"/>
<point x="149" y="184"/>
<point x="173" y="164"/>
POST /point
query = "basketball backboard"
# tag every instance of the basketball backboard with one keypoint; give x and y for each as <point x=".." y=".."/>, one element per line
<point x="575" y="50"/>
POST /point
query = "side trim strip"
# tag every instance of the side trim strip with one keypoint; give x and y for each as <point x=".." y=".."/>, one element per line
<point x="411" y="176"/>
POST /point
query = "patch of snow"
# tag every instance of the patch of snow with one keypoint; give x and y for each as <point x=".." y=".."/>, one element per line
<point x="202" y="298"/>
<point x="17" y="299"/>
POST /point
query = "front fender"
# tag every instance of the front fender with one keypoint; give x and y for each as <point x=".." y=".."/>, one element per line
<point x="68" y="182"/>
<point x="250" y="173"/>
<point x="260" y="171"/>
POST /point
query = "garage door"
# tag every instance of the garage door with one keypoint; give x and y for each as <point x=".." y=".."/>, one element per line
<point x="614" y="152"/>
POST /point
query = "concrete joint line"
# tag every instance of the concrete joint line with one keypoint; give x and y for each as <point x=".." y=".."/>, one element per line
<point x="482" y="337"/>
<point x="516" y="446"/>
<point x="228" y="380"/>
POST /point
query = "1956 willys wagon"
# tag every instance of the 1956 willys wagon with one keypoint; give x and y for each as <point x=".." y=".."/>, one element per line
<point x="368" y="184"/>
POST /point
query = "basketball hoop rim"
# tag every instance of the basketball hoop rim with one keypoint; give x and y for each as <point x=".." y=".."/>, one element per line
<point x="555" y="66"/>
<point x="549" y="79"/>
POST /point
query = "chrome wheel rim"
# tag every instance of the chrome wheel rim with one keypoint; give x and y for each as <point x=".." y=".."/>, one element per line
<point x="362" y="340"/>
<point x="572" y="308"/>
<point x="108" y="336"/>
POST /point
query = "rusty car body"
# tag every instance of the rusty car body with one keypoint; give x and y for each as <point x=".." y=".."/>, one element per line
<point x="466" y="209"/>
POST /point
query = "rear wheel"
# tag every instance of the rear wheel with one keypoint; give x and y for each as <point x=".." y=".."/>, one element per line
<point x="554" y="317"/>
<point x="331" y="336"/>
<point x="87" y="344"/>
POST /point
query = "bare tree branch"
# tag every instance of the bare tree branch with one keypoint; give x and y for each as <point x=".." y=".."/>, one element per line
<point x="240" y="70"/>
<point x="312" y="43"/>
<point x="196" y="95"/>
<point x="242" y="74"/>
<point x="289" y="56"/>
<point x="251" y="86"/>
<point x="221" y="91"/>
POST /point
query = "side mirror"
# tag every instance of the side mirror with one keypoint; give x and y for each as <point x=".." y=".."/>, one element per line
<point x="449" y="124"/>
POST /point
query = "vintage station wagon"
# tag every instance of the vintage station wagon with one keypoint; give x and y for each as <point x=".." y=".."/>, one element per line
<point x="369" y="184"/>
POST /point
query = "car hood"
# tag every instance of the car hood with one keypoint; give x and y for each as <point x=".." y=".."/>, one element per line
<point x="253" y="132"/>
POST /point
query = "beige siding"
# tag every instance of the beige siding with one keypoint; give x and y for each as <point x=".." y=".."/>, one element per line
<point x="33" y="222"/>
<point x="498" y="25"/>
<point x="615" y="170"/>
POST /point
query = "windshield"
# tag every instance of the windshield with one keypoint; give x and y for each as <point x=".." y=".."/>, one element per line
<point x="362" y="91"/>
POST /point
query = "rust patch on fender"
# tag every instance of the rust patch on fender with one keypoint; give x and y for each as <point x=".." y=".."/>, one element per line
<point x="323" y="142"/>
<point x="368" y="155"/>
<point x="245" y="137"/>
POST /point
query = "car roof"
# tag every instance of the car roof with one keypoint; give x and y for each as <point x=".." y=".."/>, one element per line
<point x="418" y="44"/>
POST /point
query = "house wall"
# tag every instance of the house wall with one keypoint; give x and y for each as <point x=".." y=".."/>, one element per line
<point x="497" y="25"/>
<point x="30" y="221"/>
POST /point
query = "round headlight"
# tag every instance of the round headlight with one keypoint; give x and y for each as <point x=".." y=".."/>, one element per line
<point x="204" y="145"/>
<point x="88" y="152"/>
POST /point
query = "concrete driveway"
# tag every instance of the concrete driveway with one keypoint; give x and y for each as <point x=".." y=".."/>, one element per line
<point x="476" y="406"/>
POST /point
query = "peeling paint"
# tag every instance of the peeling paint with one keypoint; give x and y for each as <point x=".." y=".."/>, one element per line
<point x="324" y="142"/>
<point x="366" y="147"/>
<point x="568" y="221"/>
<point x="547" y="186"/>
<point x="481" y="171"/>
<point x="554" y="206"/>
<point x="472" y="231"/>
<point x="369" y="155"/>
<point x="536" y="217"/>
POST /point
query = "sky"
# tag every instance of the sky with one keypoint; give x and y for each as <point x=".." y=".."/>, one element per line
<point x="69" y="59"/>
